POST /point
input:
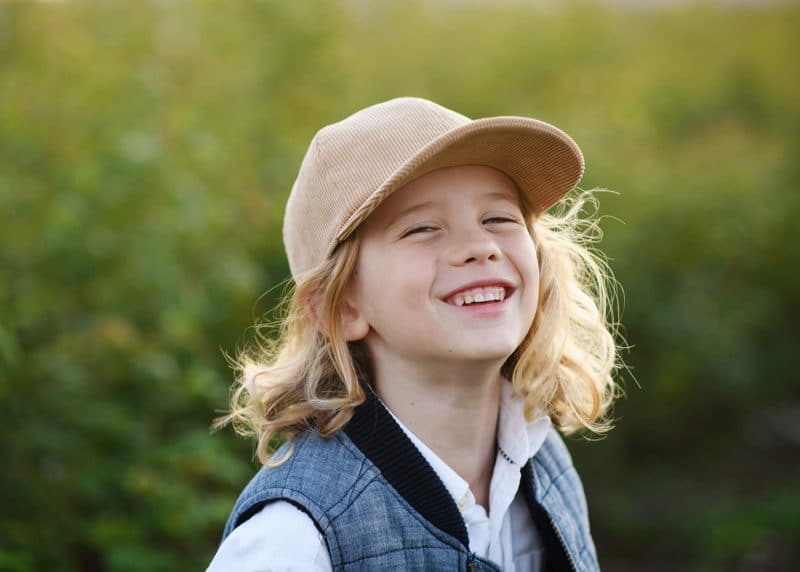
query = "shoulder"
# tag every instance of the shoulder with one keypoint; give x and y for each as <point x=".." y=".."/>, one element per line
<point x="320" y="467"/>
<point x="555" y="473"/>
<point x="556" y="479"/>
<point x="320" y="473"/>
<point x="279" y="534"/>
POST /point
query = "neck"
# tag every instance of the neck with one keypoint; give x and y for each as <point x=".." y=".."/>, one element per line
<point x="452" y="408"/>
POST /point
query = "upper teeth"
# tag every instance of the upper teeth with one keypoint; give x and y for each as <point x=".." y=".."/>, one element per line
<point x="488" y="294"/>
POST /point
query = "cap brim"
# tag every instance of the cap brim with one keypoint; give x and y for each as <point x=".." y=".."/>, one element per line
<point x="541" y="159"/>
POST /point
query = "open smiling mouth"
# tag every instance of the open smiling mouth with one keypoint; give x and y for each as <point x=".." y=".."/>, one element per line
<point x="479" y="296"/>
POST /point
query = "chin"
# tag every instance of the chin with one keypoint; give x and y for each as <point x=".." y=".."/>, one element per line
<point x="483" y="354"/>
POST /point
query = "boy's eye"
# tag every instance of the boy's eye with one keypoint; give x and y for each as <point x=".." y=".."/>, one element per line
<point x="419" y="229"/>
<point x="497" y="220"/>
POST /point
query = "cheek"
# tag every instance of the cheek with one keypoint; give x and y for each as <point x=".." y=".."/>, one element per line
<point x="403" y="261"/>
<point x="535" y="288"/>
<point x="389" y="281"/>
<point x="528" y="267"/>
<point x="409" y="278"/>
<point x="534" y="291"/>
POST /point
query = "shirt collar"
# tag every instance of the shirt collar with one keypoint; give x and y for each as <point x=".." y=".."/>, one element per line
<point x="518" y="438"/>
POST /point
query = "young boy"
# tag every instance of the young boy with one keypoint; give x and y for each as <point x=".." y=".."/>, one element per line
<point x="442" y="322"/>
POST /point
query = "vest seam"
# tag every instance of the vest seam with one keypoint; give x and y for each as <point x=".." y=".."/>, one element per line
<point x="555" y="480"/>
<point x="361" y="474"/>
<point x="274" y="494"/>
<point x="334" y="533"/>
<point x="249" y="501"/>
<point x="409" y="509"/>
<point x="570" y="496"/>
<point x="402" y="549"/>
<point x="584" y="551"/>
<point x="554" y="472"/>
<point x="352" y="499"/>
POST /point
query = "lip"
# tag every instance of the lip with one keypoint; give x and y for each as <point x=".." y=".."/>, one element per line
<point x="481" y="284"/>
<point x="491" y="309"/>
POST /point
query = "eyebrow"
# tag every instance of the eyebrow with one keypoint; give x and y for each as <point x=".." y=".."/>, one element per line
<point x="408" y="210"/>
<point x="495" y="195"/>
<point x="504" y="197"/>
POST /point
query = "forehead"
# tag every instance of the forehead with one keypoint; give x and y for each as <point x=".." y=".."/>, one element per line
<point x="466" y="183"/>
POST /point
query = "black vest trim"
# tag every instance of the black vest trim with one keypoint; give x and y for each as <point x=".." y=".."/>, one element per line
<point x="375" y="432"/>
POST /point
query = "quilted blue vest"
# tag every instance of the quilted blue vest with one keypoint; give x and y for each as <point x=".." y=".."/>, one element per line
<point x="380" y="506"/>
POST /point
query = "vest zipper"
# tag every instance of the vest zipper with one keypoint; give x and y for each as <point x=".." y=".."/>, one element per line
<point x="542" y="517"/>
<point x="561" y="540"/>
<point x="471" y="565"/>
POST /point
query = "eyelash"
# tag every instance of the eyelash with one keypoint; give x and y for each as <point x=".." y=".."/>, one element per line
<point x="500" y="218"/>
<point x="419" y="229"/>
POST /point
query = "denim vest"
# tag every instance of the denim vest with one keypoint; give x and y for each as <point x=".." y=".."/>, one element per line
<point x="380" y="506"/>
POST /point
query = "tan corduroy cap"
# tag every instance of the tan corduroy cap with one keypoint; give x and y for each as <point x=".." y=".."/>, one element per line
<point x="353" y="165"/>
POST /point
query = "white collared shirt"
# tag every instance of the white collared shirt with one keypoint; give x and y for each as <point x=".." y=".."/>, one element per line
<point x="281" y="537"/>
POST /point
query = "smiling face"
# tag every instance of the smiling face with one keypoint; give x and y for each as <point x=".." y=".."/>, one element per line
<point x="446" y="272"/>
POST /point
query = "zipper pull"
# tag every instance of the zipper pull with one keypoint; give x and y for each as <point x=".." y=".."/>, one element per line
<point x="472" y="567"/>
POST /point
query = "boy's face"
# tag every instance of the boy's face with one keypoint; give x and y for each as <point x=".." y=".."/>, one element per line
<point x="423" y="251"/>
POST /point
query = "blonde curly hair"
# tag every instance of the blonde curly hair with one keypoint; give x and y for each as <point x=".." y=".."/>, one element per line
<point x="309" y="378"/>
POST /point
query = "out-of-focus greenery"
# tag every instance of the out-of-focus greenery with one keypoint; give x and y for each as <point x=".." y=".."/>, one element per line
<point x="147" y="149"/>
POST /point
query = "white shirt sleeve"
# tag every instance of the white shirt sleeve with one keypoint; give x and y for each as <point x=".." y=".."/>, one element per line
<point x="279" y="538"/>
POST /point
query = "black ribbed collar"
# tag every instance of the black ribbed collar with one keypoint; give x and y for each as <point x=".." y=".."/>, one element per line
<point x="376" y="433"/>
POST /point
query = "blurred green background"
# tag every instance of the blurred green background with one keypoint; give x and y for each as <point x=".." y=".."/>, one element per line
<point x="147" y="149"/>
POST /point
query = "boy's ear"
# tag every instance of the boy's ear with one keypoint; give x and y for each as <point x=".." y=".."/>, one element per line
<point x="354" y="324"/>
<point x="311" y="305"/>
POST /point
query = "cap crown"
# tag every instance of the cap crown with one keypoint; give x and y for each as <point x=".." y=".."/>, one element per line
<point x="349" y="160"/>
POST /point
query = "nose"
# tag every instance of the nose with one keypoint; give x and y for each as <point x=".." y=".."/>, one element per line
<point x="473" y="246"/>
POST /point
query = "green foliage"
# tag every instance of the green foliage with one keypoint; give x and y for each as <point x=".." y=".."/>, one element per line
<point x="146" y="151"/>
